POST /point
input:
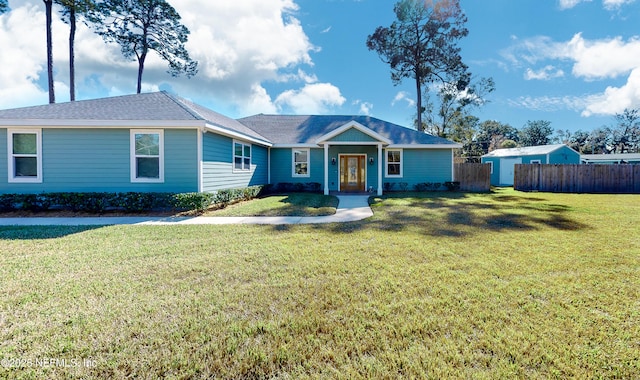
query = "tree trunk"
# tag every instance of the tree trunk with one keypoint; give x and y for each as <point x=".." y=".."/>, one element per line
<point x="141" y="59"/>
<point x="420" y="127"/>
<point x="48" y="4"/>
<point x="72" y="38"/>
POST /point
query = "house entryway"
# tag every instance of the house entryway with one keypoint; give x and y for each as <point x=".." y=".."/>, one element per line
<point x="353" y="173"/>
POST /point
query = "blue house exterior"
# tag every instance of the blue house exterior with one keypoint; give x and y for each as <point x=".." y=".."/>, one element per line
<point x="503" y="161"/>
<point x="158" y="142"/>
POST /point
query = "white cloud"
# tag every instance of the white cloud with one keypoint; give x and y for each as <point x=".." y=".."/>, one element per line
<point x="240" y="45"/>
<point x="403" y="96"/>
<point x="546" y="73"/>
<point x="591" y="60"/>
<point x="616" y="99"/>
<point x="551" y="103"/>
<point x="316" y="98"/>
<point x="608" y="4"/>
<point x="364" y="107"/>
<point x="604" y="58"/>
<point x="615" y="4"/>
<point x="567" y="4"/>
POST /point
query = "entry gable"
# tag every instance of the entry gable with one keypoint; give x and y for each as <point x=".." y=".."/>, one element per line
<point x="353" y="132"/>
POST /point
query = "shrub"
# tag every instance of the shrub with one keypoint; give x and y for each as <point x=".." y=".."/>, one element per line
<point x="388" y="186"/>
<point x="193" y="201"/>
<point x="403" y="186"/>
<point x="452" y="185"/>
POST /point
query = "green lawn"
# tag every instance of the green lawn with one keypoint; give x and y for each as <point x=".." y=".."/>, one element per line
<point x="294" y="204"/>
<point x="440" y="285"/>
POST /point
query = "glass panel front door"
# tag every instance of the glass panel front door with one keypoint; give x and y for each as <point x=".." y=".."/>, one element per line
<point x="352" y="173"/>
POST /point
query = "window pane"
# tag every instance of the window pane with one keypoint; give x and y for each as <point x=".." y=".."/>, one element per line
<point x="238" y="163"/>
<point x="148" y="167"/>
<point x="300" y="156"/>
<point x="24" y="143"/>
<point x="25" y="167"/>
<point x="247" y="150"/>
<point x="238" y="150"/>
<point x="301" y="168"/>
<point x="394" y="169"/>
<point x="247" y="163"/>
<point x="148" y="144"/>
<point x="393" y="156"/>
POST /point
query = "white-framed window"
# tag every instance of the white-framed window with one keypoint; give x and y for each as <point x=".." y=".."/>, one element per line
<point x="535" y="162"/>
<point x="25" y="155"/>
<point x="490" y="165"/>
<point x="393" y="164"/>
<point x="300" y="159"/>
<point x="147" y="155"/>
<point x="241" y="156"/>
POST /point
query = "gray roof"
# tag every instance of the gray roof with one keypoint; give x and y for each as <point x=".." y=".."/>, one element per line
<point x="525" y="151"/>
<point x="289" y="129"/>
<point x="151" y="107"/>
<point x="164" y="109"/>
<point x="611" y="157"/>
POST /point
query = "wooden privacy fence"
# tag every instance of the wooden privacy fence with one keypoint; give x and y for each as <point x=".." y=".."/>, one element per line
<point x="577" y="178"/>
<point x="473" y="177"/>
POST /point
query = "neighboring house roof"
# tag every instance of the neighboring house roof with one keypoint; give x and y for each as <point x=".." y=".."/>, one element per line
<point x="526" y="151"/>
<point x="148" y="109"/>
<point x="308" y="129"/>
<point x="626" y="157"/>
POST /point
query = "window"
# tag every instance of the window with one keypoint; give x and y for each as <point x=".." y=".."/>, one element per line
<point x="490" y="164"/>
<point x="147" y="156"/>
<point x="241" y="156"/>
<point x="535" y="162"/>
<point x="394" y="163"/>
<point x="301" y="163"/>
<point x="25" y="155"/>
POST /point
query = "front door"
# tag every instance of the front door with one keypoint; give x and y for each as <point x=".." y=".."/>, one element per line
<point x="352" y="173"/>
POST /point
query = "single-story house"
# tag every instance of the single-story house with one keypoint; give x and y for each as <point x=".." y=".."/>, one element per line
<point x="608" y="159"/>
<point x="503" y="161"/>
<point x="157" y="142"/>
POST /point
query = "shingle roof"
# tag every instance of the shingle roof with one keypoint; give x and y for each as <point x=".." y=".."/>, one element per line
<point x="163" y="107"/>
<point x="524" y="151"/>
<point x="289" y="129"/>
<point x="150" y="106"/>
<point x="155" y="106"/>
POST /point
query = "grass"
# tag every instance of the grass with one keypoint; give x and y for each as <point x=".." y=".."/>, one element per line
<point x="439" y="285"/>
<point x="293" y="204"/>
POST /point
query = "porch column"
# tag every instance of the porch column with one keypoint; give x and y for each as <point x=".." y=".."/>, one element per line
<point x="380" y="163"/>
<point x="326" y="168"/>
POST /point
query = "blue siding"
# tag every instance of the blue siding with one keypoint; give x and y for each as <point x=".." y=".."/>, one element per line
<point x="564" y="155"/>
<point x="353" y="135"/>
<point x="217" y="166"/>
<point x="420" y="165"/>
<point x="282" y="166"/>
<point x="99" y="160"/>
<point x="424" y="165"/>
<point x="495" y="174"/>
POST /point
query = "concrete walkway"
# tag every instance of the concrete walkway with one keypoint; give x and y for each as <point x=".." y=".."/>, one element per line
<point x="351" y="208"/>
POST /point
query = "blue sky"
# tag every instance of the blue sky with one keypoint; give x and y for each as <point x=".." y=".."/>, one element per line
<point x="572" y="62"/>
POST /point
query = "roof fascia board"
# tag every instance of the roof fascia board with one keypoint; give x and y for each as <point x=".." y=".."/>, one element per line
<point x="236" y="135"/>
<point x="356" y="125"/>
<point x="424" y="146"/>
<point x="76" y="123"/>
<point x="296" y="146"/>
<point x="373" y="143"/>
